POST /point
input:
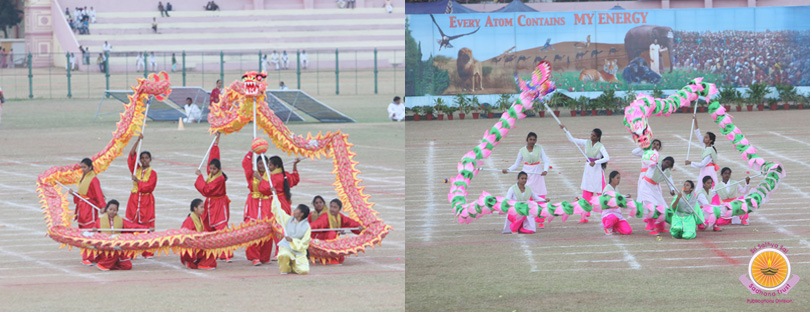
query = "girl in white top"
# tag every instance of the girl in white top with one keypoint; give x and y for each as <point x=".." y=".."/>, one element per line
<point x="593" y="176"/>
<point x="535" y="163"/>
<point x="730" y="193"/>
<point x="523" y="193"/>
<point x="649" y="159"/>
<point x="612" y="219"/>
<point x="650" y="193"/>
<point x="708" y="164"/>
<point x="703" y="196"/>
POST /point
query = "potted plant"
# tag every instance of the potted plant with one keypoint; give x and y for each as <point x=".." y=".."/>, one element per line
<point x="439" y="107"/>
<point x="802" y="100"/>
<point x="657" y="93"/>
<point x="504" y="102"/>
<point x="756" y="93"/>
<point x="475" y="105"/>
<point x="629" y="97"/>
<point x="462" y="104"/>
<point x="415" y="111"/>
<point x="487" y="109"/>
<point x="581" y="101"/>
<point x="540" y="108"/>
<point x="428" y="110"/>
<point x="772" y="103"/>
<point x="449" y="111"/>
<point x="728" y="95"/>
<point x="558" y="100"/>
<point x="787" y="93"/>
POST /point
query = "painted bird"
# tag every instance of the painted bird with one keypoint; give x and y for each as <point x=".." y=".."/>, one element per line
<point x="445" y="41"/>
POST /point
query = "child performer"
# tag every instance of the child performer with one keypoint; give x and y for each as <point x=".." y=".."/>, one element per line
<point x="530" y="156"/>
<point x="292" y="255"/>
<point x="593" y="176"/>
<point x="649" y="159"/>
<point x="194" y="222"/>
<point x="522" y="192"/>
<point x="650" y="193"/>
<point x="217" y="209"/>
<point x="141" y="205"/>
<point x="111" y="221"/>
<point x="335" y="220"/>
<point x="731" y="193"/>
<point x="612" y="219"/>
<point x="282" y="181"/>
<point x="686" y="213"/>
<point x="708" y="164"/>
<point x="257" y="206"/>
<point x="318" y="210"/>
<point x="703" y="197"/>
<point x="89" y="189"/>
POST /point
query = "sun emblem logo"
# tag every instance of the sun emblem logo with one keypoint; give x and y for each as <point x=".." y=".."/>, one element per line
<point x="769" y="268"/>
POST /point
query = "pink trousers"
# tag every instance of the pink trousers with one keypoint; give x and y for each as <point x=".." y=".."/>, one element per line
<point x="618" y="226"/>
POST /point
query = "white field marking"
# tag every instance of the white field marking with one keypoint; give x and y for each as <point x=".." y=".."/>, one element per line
<point x="395" y="267"/>
<point x="678" y="259"/>
<point x="45" y="264"/>
<point x="781" y="229"/>
<point x="378" y="147"/>
<point x="176" y="267"/>
<point x="528" y="252"/>
<point x="644" y="251"/>
<point x="781" y="183"/>
<point x="628" y="257"/>
<point x="429" y="180"/>
<point x="384" y="168"/>
<point x="24" y="189"/>
<point x="806" y="165"/>
<point x="674" y="243"/>
<point x="789" y="138"/>
<point x="24" y="229"/>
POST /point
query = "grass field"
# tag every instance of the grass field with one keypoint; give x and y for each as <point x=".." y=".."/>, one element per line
<point x="36" y="275"/>
<point x="575" y="267"/>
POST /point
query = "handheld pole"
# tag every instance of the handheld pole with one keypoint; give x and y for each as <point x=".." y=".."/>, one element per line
<point x="566" y="130"/>
<point x="735" y="183"/>
<point x="333" y="230"/>
<point x="691" y="132"/>
<point x="143" y="127"/>
<point x="206" y="153"/>
<point x="254" y="134"/>
<point x="79" y="196"/>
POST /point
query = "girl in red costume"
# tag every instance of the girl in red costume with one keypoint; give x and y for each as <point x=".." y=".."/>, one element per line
<point x="141" y="205"/>
<point x="217" y="209"/>
<point x="89" y="189"/>
<point x="257" y="205"/>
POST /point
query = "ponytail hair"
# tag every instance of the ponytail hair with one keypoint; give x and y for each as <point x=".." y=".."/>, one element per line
<point x="276" y="161"/>
<point x="598" y="134"/>
<point x="711" y="138"/>
<point x="304" y="209"/>
<point x="194" y="203"/>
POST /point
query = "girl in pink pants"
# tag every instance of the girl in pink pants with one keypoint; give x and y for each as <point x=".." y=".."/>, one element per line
<point x="612" y="219"/>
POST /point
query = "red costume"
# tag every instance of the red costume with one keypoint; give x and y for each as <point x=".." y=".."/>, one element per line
<point x="116" y="260"/>
<point x="278" y="183"/>
<point x="196" y="259"/>
<point x="257" y="206"/>
<point x="85" y="215"/>
<point x="141" y="205"/>
<point x="327" y="221"/>
<point x="214" y="98"/>
<point x="217" y="211"/>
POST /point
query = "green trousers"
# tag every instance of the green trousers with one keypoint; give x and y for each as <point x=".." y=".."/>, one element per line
<point x="683" y="227"/>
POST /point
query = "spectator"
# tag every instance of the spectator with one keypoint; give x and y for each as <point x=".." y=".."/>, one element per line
<point x="388" y="6"/>
<point x="139" y="62"/>
<point x="163" y="12"/>
<point x="154" y="24"/>
<point x="81" y="49"/>
<point x="72" y="62"/>
<point x="3" y="56"/>
<point x="282" y="86"/>
<point x="274" y="59"/>
<point x="153" y="62"/>
<point x="350" y="4"/>
<point x="304" y="61"/>
<point x="214" y="98"/>
<point x="107" y="48"/>
<point x="168" y="6"/>
<point x="211" y="6"/>
<point x="193" y="113"/>
<point x="87" y="55"/>
<point x="285" y="61"/>
<point x="101" y="64"/>
<point x="67" y="13"/>
<point x="340" y="3"/>
<point x="174" y="63"/>
<point x="396" y="110"/>
<point x="264" y="63"/>
<point x="92" y="13"/>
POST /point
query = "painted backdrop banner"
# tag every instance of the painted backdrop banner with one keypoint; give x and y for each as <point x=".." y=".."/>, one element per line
<point x="592" y="51"/>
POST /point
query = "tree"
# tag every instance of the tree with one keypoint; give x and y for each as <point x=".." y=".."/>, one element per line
<point x="10" y="15"/>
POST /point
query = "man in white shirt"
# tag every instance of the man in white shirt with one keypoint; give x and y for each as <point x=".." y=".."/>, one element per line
<point x="153" y="62"/>
<point x="304" y="61"/>
<point x="92" y="13"/>
<point x="285" y="61"/>
<point x="396" y="110"/>
<point x="139" y="63"/>
<point x="282" y="86"/>
<point x="107" y="47"/>
<point x="193" y="112"/>
<point x="274" y="59"/>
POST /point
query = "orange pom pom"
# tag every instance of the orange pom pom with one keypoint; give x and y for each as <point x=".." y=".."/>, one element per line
<point x="259" y="146"/>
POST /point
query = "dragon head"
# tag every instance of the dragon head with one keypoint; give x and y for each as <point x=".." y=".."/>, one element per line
<point x="253" y="83"/>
